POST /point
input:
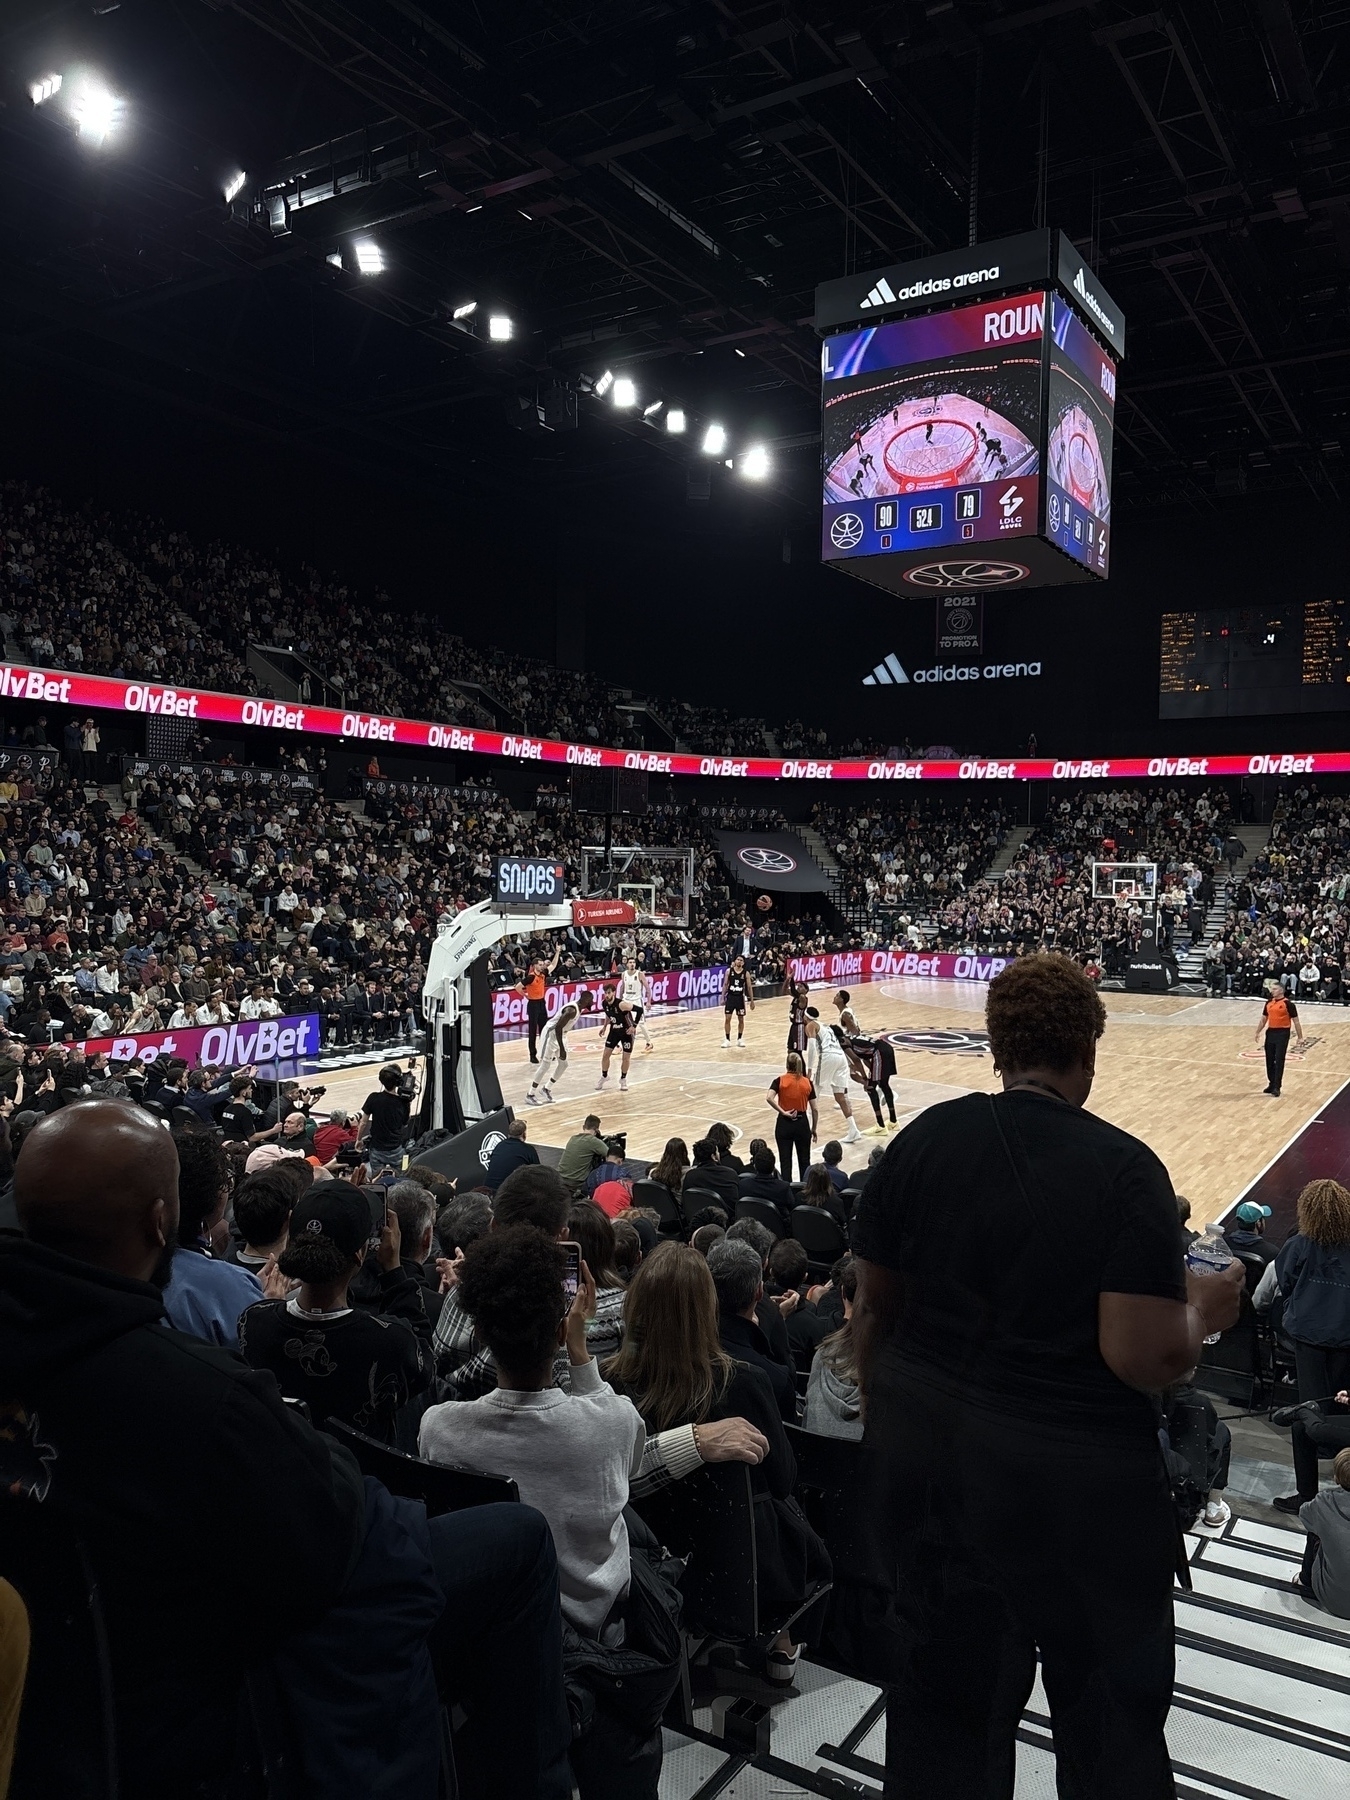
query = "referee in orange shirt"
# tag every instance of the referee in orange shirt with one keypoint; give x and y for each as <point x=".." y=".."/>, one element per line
<point x="1278" y="1015"/>
<point x="534" y="989"/>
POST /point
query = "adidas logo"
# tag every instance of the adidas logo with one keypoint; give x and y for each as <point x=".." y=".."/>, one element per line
<point x="1080" y="287"/>
<point x="881" y="295"/>
<point x="887" y="674"/>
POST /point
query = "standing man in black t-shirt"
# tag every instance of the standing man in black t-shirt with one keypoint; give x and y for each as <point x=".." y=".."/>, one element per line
<point x="384" y="1123"/>
<point x="1022" y="1300"/>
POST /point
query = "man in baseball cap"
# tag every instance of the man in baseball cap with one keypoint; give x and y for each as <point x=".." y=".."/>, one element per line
<point x="1246" y="1239"/>
<point x="334" y="1210"/>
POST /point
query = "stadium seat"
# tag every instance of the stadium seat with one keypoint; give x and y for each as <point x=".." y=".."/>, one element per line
<point x="439" y="1487"/>
<point x="821" y="1236"/>
<point x="662" y="1202"/>
<point x="764" y="1211"/>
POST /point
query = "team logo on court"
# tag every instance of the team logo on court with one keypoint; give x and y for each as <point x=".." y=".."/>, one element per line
<point x="488" y="1145"/>
<point x="942" y="1043"/>
<point x="765" y="861"/>
<point x="967" y="574"/>
<point x="846" y="531"/>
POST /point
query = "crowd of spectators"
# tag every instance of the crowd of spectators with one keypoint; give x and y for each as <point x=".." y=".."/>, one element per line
<point x="901" y="865"/>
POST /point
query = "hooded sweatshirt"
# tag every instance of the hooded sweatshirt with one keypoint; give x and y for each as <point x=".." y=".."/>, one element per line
<point x="833" y="1406"/>
<point x="1327" y="1518"/>
<point x="191" y="1487"/>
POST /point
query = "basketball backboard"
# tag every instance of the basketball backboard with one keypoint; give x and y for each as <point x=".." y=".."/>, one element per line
<point x="1125" y="882"/>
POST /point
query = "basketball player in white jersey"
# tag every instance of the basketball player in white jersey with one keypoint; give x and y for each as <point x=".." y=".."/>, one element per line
<point x="827" y="1066"/>
<point x="635" y="989"/>
<point x="848" y="1019"/>
<point x="552" y="1044"/>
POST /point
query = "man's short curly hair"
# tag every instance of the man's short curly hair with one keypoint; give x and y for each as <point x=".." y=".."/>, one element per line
<point x="510" y="1284"/>
<point x="1042" y="1013"/>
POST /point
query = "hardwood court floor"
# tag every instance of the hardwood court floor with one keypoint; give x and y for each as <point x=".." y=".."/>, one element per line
<point x="1170" y="1069"/>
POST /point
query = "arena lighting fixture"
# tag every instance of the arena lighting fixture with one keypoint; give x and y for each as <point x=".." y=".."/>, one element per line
<point x="95" y="110"/>
<point x="45" y="88"/>
<point x="469" y="308"/>
<point x="499" y="328"/>
<point x="650" y="411"/>
<point x="604" y="384"/>
<point x="369" y="257"/>
<point x="625" y="393"/>
<point x="755" y="464"/>
<point x="234" y="186"/>
<point x="714" y="440"/>
<point x="675" y="420"/>
<point x="334" y="259"/>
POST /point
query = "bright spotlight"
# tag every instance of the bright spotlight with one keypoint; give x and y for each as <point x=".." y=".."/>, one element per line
<point x="675" y="419"/>
<point x="234" y="186"/>
<point x="604" y="384"/>
<point x="369" y="257"/>
<point x="469" y="308"/>
<point x="652" y="408"/>
<point x="625" y="393"/>
<point x="499" y="328"/>
<point x="95" y="111"/>
<point x="334" y="259"/>
<point x="44" y="89"/>
<point x="755" y="463"/>
<point x="714" y="440"/>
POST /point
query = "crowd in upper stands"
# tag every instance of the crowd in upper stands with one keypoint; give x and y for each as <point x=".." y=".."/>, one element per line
<point x="902" y="864"/>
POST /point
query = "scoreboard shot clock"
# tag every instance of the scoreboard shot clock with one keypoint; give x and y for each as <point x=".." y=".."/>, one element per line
<point x="967" y="419"/>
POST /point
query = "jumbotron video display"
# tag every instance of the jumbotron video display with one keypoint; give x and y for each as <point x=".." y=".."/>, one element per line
<point x="930" y="429"/>
<point x="1246" y="662"/>
<point x="1078" y="454"/>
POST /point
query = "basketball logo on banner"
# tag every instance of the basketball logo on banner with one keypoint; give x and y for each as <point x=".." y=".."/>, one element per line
<point x="846" y="531"/>
<point x="967" y="574"/>
<point x="766" y="861"/>
<point x="960" y="622"/>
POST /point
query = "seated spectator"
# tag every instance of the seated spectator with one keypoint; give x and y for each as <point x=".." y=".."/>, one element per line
<point x="150" y="1433"/>
<point x="1325" y="1575"/>
<point x="858" y="1179"/>
<point x="676" y="1371"/>
<point x="628" y="1250"/>
<point x="580" y="1154"/>
<point x="670" y="1171"/>
<point x="589" y="1226"/>
<point x="789" y="1275"/>
<point x="833" y="1397"/>
<point x="1246" y="1237"/>
<point x="339" y="1133"/>
<point x="1184" y="1220"/>
<point x="738" y="1277"/>
<point x="416" y="1212"/>
<point x="1320" y="1431"/>
<point x="703" y="1237"/>
<point x="763" y="1182"/>
<point x="832" y="1160"/>
<point x="1197" y="1446"/>
<point x="512" y="1152"/>
<point x="344" y="1362"/>
<point x="771" y="1314"/>
<point x="819" y="1190"/>
<point x="721" y="1137"/>
<point x="204" y="1297"/>
<point x="709" y="1175"/>
<point x="262" y="1208"/>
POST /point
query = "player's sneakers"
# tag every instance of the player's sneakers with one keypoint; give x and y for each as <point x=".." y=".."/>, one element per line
<point x="623" y="1084"/>
<point x="726" y="1043"/>
<point x="531" y="1098"/>
<point x="852" y="1135"/>
<point x="599" y="1084"/>
<point x="546" y="1099"/>
<point x="648" y="1047"/>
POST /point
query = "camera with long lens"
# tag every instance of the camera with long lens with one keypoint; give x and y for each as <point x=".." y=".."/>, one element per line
<point x="619" y="1142"/>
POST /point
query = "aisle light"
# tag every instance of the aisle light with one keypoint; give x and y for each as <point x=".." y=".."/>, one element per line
<point x="755" y="464"/>
<point x="714" y="440"/>
<point x="625" y="393"/>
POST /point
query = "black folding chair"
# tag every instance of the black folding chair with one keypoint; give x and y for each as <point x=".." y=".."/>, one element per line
<point x="440" y="1488"/>
<point x="764" y="1212"/>
<point x="821" y="1236"/>
<point x="663" y="1203"/>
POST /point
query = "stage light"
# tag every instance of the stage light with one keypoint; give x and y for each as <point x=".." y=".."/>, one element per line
<point x="714" y="440"/>
<point x="604" y="384"/>
<point x="469" y="308"/>
<point x="95" y="111"/>
<point x="44" y="89"/>
<point x="755" y="464"/>
<point x="369" y="257"/>
<point x="738" y="350"/>
<point x="650" y="411"/>
<point x="625" y="393"/>
<point x="675" y="419"/>
<point x="499" y="328"/>
<point x="334" y="259"/>
<point x="234" y="186"/>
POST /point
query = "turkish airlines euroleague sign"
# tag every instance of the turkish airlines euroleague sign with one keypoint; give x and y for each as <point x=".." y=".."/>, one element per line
<point x="56" y="687"/>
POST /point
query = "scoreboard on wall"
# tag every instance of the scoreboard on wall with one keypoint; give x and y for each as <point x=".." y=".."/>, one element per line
<point x="967" y="419"/>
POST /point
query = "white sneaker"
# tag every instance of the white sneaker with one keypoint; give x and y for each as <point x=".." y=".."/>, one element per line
<point x="852" y="1135"/>
<point x="599" y="1084"/>
<point x="623" y="1084"/>
<point x="532" y="1099"/>
<point x="1216" y="1513"/>
<point x="726" y="1043"/>
<point x="545" y="1097"/>
<point x="648" y="1047"/>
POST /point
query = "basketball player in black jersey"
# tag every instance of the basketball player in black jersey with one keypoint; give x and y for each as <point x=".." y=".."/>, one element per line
<point x="738" y="991"/>
<point x="619" y="1035"/>
<point x="872" y="1061"/>
<point x="801" y="999"/>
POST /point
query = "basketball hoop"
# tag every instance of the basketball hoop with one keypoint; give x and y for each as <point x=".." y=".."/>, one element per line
<point x="1081" y="464"/>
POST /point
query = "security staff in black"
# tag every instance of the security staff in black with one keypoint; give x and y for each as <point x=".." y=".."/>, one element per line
<point x="737" y="991"/>
<point x="1278" y="1015"/>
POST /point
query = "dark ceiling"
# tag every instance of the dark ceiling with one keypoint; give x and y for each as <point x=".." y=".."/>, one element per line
<point x="656" y="188"/>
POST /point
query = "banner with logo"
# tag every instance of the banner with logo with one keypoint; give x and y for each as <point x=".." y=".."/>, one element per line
<point x="847" y="967"/>
<point x="669" y="987"/>
<point x="960" y="622"/>
<point x="378" y="788"/>
<point x="772" y="859"/>
<point x="222" y="774"/>
<point x="20" y="762"/>
<point x="256" y="1041"/>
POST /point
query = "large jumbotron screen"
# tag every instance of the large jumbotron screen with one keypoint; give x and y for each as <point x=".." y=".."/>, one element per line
<point x="930" y="430"/>
<point x="1078" y="456"/>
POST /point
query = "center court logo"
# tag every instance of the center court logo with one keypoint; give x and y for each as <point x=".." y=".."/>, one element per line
<point x="765" y="861"/>
<point x="942" y="1043"/>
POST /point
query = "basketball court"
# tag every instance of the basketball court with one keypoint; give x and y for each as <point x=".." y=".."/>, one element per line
<point x="1075" y="461"/>
<point x="1181" y="1072"/>
<point x="930" y="443"/>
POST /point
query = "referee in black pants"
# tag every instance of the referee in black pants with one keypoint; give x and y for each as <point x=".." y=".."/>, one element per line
<point x="1278" y="1015"/>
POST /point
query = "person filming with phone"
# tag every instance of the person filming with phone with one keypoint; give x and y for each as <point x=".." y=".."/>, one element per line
<point x="1022" y="1303"/>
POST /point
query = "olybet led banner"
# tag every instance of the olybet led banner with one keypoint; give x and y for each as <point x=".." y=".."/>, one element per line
<point x="56" y="687"/>
<point x="669" y="987"/>
<point x="250" y="1041"/>
<point x="852" y="966"/>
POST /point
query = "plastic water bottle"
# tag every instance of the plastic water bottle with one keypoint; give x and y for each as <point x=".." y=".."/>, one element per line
<point x="1210" y="1255"/>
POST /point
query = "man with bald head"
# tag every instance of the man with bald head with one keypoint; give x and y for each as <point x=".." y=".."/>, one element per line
<point x="223" y="1530"/>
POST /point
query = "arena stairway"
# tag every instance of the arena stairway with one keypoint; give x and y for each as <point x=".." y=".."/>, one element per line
<point x="1261" y="1705"/>
<point x="1191" y="962"/>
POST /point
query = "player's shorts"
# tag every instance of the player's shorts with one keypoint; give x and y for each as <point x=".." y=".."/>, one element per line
<point x="833" y="1076"/>
<point x="734" y="1003"/>
<point x="619" y="1039"/>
